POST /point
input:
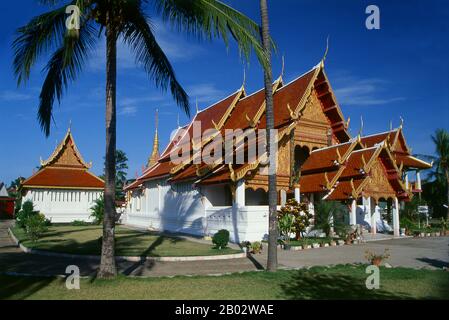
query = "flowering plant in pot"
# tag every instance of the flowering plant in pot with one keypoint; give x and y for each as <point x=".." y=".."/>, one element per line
<point x="377" y="258"/>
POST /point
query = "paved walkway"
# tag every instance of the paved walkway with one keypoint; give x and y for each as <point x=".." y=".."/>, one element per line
<point x="416" y="253"/>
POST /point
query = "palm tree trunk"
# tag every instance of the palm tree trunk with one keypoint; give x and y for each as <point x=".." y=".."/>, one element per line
<point x="107" y="266"/>
<point x="272" y="262"/>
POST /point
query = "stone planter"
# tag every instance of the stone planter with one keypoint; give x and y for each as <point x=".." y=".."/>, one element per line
<point x="315" y="245"/>
<point x="333" y="243"/>
<point x="422" y="235"/>
<point x="325" y="245"/>
<point x="428" y="234"/>
<point x="341" y="242"/>
<point x="307" y="246"/>
<point x="433" y="234"/>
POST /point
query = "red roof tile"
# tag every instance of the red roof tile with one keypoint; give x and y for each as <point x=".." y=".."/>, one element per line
<point x="63" y="178"/>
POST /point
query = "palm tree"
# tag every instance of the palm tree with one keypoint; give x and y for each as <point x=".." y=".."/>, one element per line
<point x="272" y="193"/>
<point x="126" y="20"/>
<point x="441" y="141"/>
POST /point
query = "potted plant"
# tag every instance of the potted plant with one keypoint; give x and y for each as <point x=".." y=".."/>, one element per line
<point x="376" y="258"/>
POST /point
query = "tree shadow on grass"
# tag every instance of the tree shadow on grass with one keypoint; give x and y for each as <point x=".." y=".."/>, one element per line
<point x="306" y="284"/>
<point x="13" y="287"/>
<point x="436" y="263"/>
<point x="143" y="259"/>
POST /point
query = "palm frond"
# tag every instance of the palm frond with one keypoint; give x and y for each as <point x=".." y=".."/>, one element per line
<point x="40" y="35"/>
<point x="139" y="36"/>
<point x="63" y="67"/>
<point x="208" y="19"/>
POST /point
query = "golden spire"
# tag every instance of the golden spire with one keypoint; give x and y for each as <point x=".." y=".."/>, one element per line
<point x="155" y="153"/>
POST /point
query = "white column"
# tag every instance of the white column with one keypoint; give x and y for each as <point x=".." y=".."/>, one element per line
<point x="297" y="195"/>
<point x="373" y="219"/>
<point x="396" y="217"/>
<point x="352" y="215"/>
<point x="283" y="197"/>
<point x="406" y="182"/>
<point x="418" y="180"/>
<point x="240" y="194"/>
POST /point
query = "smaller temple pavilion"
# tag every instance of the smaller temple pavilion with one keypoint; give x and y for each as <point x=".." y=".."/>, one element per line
<point x="63" y="189"/>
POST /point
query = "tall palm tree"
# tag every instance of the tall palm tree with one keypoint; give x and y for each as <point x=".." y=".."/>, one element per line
<point x="441" y="141"/>
<point x="272" y="193"/>
<point x="126" y="20"/>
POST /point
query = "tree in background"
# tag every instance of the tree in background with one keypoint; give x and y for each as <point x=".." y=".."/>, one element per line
<point x="436" y="190"/>
<point x="121" y="168"/>
<point x="128" y="21"/>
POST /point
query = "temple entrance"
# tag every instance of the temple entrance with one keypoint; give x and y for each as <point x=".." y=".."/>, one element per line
<point x="301" y="155"/>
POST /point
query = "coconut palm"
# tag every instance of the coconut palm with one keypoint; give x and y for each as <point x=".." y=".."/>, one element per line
<point x="441" y="173"/>
<point x="272" y="193"/>
<point x="128" y="21"/>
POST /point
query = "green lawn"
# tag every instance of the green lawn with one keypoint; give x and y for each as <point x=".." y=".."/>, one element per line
<point x="85" y="240"/>
<point x="340" y="282"/>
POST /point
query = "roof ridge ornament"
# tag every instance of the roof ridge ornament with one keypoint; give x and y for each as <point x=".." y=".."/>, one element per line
<point x="325" y="52"/>
<point x="402" y="122"/>
<point x="361" y="126"/>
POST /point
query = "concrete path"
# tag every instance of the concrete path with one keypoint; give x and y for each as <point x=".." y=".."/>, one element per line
<point x="409" y="252"/>
<point x="416" y="253"/>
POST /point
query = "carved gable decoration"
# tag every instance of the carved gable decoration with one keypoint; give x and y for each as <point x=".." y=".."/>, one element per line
<point x="379" y="186"/>
<point x="313" y="109"/>
<point x="67" y="158"/>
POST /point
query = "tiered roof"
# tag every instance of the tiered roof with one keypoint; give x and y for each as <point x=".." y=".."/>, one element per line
<point x="241" y="111"/>
<point x="64" y="169"/>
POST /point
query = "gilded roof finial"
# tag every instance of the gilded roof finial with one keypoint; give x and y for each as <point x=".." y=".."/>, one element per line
<point x="70" y="125"/>
<point x="325" y="52"/>
<point x="402" y="122"/>
<point x="196" y="105"/>
<point x="155" y="152"/>
<point x="361" y="126"/>
<point x="283" y="66"/>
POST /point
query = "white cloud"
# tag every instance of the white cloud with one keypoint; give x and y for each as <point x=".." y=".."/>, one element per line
<point x="9" y="95"/>
<point x="176" y="48"/>
<point x="204" y="92"/>
<point x="127" y="111"/>
<point x="353" y="91"/>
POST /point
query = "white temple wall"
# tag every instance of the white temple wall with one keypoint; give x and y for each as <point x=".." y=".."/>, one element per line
<point x="177" y="208"/>
<point x="63" y="206"/>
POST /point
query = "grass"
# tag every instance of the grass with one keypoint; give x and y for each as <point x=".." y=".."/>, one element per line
<point x="85" y="240"/>
<point x="339" y="282"/>
<point x="311" y="240"/>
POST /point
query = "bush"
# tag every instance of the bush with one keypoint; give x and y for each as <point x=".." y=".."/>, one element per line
<point x="98" y="210"/>
<point x="256" y="247"/>
<point x="79" y="223"/>
<point x="221" y="239"/>
<point x="26" y="212"/>
<point x="35" y="225"/>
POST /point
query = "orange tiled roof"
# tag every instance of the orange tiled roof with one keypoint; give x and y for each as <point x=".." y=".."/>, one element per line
<point x="63" y="178"/>
<point x="411" y="162"/>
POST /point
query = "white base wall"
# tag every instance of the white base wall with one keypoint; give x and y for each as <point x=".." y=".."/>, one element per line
<point x="63" y="206"/>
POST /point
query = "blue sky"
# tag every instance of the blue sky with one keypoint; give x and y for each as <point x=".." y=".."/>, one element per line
<point x="400" y="70"/>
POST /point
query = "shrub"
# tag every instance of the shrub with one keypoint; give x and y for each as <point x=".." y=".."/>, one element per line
<point x="221" y="239"/>
<point x="35" y="225"/>
<point x="79" y="223"/>
<point x="98" y="210"/>
<point x="256" y="247"/>
<point x="300" y="214"/>
<point x="26" y="212"/>
<point x="328" y="215"/>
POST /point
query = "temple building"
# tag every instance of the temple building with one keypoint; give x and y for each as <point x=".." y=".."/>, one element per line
<point x="317" y="160"/>
<point x="63" y="189"/>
